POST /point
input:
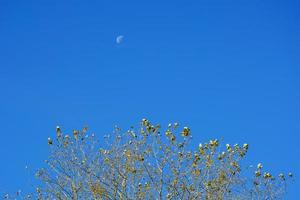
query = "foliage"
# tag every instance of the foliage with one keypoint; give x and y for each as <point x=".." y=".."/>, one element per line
<point x="149" y="163"/>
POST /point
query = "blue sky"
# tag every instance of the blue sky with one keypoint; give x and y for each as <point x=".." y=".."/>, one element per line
<point x="228" y="69"/>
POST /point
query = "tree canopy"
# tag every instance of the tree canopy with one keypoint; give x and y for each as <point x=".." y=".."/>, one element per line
<point x="150" y="163"/>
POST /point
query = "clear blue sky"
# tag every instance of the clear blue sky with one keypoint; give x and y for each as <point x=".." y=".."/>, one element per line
<point x="228" y="69"/>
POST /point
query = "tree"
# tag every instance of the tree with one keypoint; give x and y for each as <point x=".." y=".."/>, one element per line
<point x="149" y="163"/>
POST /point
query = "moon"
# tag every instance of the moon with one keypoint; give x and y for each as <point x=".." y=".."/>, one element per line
<point x="119" y="39"/>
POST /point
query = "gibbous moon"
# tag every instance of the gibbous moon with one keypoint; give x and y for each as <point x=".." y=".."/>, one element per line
<point x="119" y="39"/>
